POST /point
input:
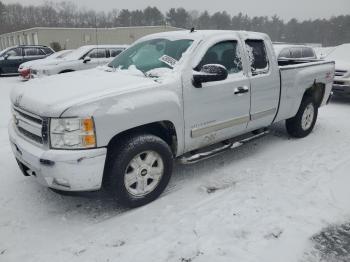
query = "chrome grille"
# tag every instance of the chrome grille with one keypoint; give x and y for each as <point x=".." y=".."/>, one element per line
<point x="30" y="126"/>
<point x="340" y="72"/>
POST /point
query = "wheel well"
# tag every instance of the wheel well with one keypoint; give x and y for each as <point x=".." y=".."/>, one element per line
<point x="66" y="71"/>
<point x="316" y="91"/>
<point x="163" y="129"/>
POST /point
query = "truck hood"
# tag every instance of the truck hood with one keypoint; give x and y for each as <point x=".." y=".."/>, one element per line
<point x="51" y="96"/>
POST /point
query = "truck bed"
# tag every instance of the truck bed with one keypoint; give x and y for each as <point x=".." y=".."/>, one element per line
<point x="287" y="62"/>
<point x="296" y="76"/>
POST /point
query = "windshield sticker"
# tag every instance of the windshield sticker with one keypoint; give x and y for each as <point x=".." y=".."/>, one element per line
<point x="168" y="60"/>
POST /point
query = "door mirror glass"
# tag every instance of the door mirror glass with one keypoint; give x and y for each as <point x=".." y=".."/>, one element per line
<point x="87" y="59"/>
<point x="209" y="73"/>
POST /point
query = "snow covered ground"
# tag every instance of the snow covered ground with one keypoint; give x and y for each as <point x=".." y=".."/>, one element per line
<point x="268" y="200"/>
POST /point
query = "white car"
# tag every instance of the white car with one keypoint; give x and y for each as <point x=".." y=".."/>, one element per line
<point x="85" y="57"/>
<point x="24" y="69"/>
<point x="285" y="51"/>
<point x="341" y="56"/>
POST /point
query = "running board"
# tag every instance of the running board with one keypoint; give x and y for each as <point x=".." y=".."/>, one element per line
<point x="192" y="158"/>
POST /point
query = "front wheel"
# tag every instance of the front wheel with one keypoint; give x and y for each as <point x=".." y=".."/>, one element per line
<point x="304" y="121"/>
<point x="139" y="169"/>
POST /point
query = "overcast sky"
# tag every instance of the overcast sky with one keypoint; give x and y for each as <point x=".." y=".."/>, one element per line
<point x="286" y="9"/>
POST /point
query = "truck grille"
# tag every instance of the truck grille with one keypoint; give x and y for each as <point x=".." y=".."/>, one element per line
<point x="340" y="72"/>
<point x="30" y="126"/>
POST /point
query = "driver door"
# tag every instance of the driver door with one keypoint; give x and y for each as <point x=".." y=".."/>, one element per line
<point x="218" y="110"/>
<point x="14" y="59"/>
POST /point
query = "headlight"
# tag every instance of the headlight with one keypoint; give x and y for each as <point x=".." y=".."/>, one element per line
<point x="72" y="133"/>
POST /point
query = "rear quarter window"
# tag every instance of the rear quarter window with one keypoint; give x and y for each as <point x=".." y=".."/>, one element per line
<point x="257" y="55"/>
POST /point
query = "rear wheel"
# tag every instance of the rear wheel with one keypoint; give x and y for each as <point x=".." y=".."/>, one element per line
<point x="304" y="121"/>
<point x="139" y="170"/>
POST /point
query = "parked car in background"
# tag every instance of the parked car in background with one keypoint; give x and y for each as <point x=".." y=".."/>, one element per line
<point x="322" y="52"/>
<point x="341" y="56"/>
<point x="24" y="69"/>
<point x="85" y="57"/>
<point x="12" y="57"/>
<point x="184" y="95"/>
<point x="284" y="51"/>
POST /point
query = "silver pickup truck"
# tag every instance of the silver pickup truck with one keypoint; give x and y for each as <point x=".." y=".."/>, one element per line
<point x="176" y="95"/>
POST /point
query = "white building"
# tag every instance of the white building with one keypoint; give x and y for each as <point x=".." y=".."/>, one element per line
<point x="70" y="38"/>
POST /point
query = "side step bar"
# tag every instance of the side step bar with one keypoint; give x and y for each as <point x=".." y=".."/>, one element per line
<point x="216" y="149"/>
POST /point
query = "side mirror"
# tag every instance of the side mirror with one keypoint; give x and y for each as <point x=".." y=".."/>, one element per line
<point x="209" y="73"/>
<point x="86" y="60"/>
<point x="6" y="56"/>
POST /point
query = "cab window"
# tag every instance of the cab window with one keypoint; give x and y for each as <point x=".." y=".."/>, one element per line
<point x="224" y="53"/>
<point x="259" y="62"/>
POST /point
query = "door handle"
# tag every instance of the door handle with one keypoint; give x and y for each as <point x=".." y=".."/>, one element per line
<point x="241" y="90"/>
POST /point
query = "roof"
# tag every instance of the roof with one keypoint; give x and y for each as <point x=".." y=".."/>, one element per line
<point x="200" y="34"/>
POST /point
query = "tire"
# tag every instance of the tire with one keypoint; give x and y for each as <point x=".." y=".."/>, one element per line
<point x="304" y="121"/>
<point x="138" y="169"/>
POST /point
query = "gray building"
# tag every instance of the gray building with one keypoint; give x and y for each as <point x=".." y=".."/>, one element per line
<point x="70" y="38"/>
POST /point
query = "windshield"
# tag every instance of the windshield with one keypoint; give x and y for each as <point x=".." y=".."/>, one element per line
<point x="340" y="53"/>
<point x="152" y="54"/>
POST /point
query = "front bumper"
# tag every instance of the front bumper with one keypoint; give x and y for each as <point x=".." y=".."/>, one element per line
<point x="67" y="170"/>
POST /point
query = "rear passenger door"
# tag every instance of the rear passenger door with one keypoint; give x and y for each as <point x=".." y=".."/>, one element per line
<point x="264" y="84"/>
